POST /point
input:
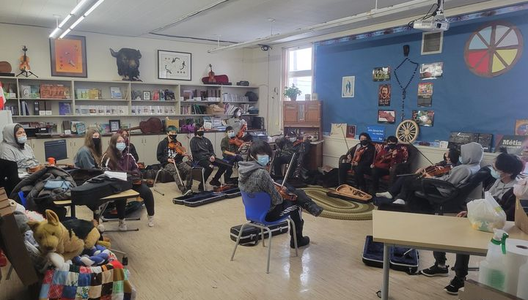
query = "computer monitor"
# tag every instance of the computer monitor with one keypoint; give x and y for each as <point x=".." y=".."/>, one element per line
<point x="56" y="149"/>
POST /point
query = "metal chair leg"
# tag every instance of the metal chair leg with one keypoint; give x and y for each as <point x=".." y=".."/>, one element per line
<point x="156" y="181"/>
<point x="238" y="240"/>
<point x="262" y="237"/>
<point x="269" y="249"/>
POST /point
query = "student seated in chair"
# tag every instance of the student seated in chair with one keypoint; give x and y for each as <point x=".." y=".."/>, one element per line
<point x="170" y="154"/>
<point x="203" y="154"/>
<point x="451" y="160"/>
<point x="470" y="158"/>
<point x="359" y="158"/>
<point x="388" y="157"/>
<point x="130" y="147"/>
<point x="254" y="177"/>
<point x="505" y="170"/>
<point x="116" y="158"/>
<point x="15" y="148"/>
<point x="230" y="152"/>
<point x="89" y="155"/>
<point x="289" y="145"/>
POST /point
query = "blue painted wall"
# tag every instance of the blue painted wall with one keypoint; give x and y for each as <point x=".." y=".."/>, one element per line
<point x="462" y="101"/>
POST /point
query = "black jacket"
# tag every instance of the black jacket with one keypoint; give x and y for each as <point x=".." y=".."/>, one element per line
<point x="367" y="158"/>
<point x="201" y="148"/>
<point x="163" y="153"/>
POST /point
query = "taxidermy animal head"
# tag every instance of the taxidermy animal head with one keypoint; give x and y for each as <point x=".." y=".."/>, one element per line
<point x="127" y="63"/>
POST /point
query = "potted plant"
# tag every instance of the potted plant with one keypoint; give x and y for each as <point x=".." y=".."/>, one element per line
<point x="292" y="92"/>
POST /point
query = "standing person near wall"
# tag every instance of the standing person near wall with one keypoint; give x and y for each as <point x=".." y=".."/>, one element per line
<point x="89" y="155"/>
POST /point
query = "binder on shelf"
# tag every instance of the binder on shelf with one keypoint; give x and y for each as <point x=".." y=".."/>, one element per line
<point x="24" y="108"/>
<point x="36" y="108"/>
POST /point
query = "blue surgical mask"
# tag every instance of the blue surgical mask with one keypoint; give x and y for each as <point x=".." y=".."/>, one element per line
<point x="293" y="139"/>
<point x="120" y="146"/>
<point x="460" y="159"/>
<point x="263" y="159"/>
<point x="231" y="134"/>
<point x="22" y="139"/>
<point x="494" y="173"/>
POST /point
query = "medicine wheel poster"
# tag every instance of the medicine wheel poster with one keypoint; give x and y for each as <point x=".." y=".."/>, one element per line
<point x="493" y="49"/>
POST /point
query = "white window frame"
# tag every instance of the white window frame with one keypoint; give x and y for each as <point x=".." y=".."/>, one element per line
<point x="290" y="74"/>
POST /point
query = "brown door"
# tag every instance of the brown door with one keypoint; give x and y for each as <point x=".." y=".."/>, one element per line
<point x="290" y="113"/>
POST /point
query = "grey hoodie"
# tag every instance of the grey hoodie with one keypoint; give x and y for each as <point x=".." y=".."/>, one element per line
<point x="10" y="150"/>
<point x="471" y="155"/>
<point x="253" y="178"/>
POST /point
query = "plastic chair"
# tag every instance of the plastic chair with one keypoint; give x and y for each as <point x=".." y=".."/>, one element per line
<point x="257" y="206"/>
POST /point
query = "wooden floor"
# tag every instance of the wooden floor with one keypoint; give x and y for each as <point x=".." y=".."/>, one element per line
<point x="187" y="256"/>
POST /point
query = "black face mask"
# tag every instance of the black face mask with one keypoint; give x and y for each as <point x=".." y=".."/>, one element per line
<point x="172" y="137"/>
<point x="200" y="133"/>
<point x="391" y="146"/>
<point x="364" y="143"/>
<point x="96" y="141"/>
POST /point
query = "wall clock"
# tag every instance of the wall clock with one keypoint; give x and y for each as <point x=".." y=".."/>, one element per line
<point x="68" y="56"/>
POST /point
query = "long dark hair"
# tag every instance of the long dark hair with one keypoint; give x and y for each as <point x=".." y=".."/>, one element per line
<point x="113" y="155"/>
<point x="259" y="147"/>
<point x="97" y="151"/>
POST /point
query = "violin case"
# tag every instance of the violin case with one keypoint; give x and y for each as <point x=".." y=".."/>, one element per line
<point x="98" y="187"/>
<point x="401" y="258"/>
<point x="346" y="192"/>
<point x="199" y="199"/>
<point x="251" y="235"/>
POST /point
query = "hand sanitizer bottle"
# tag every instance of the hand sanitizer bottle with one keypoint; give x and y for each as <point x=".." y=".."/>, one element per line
<point x="492" y="271"/>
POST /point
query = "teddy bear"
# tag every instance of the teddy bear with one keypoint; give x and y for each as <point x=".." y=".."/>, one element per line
<point x="68" y="239"/>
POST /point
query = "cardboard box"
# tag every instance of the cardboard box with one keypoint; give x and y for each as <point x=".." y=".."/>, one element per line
<point x="521" y="219"/>
<point x="477" y="291"/>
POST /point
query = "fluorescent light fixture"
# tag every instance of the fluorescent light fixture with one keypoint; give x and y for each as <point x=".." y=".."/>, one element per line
<point x="54" y="33"/>
<point x="93" y="7"/>
<point x="64" y="21"/>
<point x="64" y="33"/>
<point x="76" y="22"/>
<point x="78" y="7"/>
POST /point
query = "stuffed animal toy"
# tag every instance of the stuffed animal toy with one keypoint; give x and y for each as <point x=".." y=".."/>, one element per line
<point x="96" y="256"/>
<point x="127" y="63"/>
<point x="52" y="236"/>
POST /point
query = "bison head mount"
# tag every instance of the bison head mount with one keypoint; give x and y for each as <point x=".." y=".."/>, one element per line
<point x="127" y="63"/>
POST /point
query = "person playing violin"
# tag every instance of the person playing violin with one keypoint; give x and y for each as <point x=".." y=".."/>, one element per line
<point x="289" y="145"/>
<point x="130" y="147"/>
<point x="388" y="157"/>
<point x="230" y="152"/>
<point x="254" y="177"/>
<point x="359" y="159"/>
<point x="450" y="160"/>
<point x="170" y="154"/>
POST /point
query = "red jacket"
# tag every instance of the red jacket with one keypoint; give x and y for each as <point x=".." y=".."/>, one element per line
<point x="387" y="158"/>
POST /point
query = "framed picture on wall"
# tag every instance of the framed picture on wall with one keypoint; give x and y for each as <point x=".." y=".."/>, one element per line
<point x="348" y="86"/>
<point x="384" y="95"/>
<point x="174" y="65"/>
<point x="423" y="117"/>
<point x="386" y="116"/>
<point x="114" y="125"/>
<point x="68" y="56"/>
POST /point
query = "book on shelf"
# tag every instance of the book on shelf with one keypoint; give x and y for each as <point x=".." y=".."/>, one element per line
<point x="25" y="91"/>
<point x="24" y="109"/>
<point x="115" y="92"/>
<point x="65" y="108"/>
<point x="101" y="110"/>
<point x="36" y="108"/>
<point x="95" y="94"/>
<point x="81" y="94"/>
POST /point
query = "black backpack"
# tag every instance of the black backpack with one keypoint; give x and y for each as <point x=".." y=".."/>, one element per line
<point x="252" y="96"/>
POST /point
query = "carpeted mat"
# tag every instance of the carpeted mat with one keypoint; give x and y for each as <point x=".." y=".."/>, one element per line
<point x="335" y="208"/>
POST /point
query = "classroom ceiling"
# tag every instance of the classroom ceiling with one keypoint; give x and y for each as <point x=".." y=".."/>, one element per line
<point x="226" y="20"/>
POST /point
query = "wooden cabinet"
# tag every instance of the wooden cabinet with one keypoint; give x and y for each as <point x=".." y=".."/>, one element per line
<point x="304" y="118"/>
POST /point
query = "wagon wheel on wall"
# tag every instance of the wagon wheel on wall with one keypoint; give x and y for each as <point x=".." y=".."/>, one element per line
<point x="407" y="131"/>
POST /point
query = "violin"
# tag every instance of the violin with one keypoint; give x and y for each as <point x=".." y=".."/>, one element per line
<point x="178" y="148"/>
<point x="211" y="75"/>
<point x="357" y="154"/>
<point x="436" y="170"/>
<point x="285" y="194"/>
<point x="24" y="61"/>
<point x="237" y="140"/>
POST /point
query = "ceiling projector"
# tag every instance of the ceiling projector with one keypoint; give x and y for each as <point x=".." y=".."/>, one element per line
<point x="433" y="22"/>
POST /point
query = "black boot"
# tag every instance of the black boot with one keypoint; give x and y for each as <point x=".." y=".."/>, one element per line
<point x="310" y="206"/>
<point x="301" y="240"/>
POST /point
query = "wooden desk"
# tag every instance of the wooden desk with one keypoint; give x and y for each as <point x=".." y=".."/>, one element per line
<point x="430" y="232"/>
<point x="123" y="195"/>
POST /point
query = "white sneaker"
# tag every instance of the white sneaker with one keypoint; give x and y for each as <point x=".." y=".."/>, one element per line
<point x="122" y="226"/>
<point x="151" y="221"/>
<point x="399" y="201"/>
<point x="188" y="192"/>
<point x="384" y="194"/>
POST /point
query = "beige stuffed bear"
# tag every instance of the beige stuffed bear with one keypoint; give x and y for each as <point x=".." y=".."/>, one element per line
<point x="52" y="236"/>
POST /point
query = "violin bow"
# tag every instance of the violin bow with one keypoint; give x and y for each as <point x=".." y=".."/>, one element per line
<point x="344" y="137"/>
<point x="288" y="170"/>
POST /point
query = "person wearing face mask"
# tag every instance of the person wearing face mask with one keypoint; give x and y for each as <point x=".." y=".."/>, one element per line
<point x="289" y="145"/>
<point x="116" y="158"/>
<point x="505" y="170"/>
<point x="359" y="159"/>
<point x="15" y="148"/>
<point x="203" y="154"/>
<point x="388" y="157"/>
<point x="229" y="152"/>
<point x="131" y="148"/>
<point x="254" y="177"/>
<point x="451" y="158"/>
<point x="236" y="120"/>
<point x="89" y="155"/>
<point x="170" y="159"/>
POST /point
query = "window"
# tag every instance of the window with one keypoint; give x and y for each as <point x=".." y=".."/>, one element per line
<point x="298" y="69"/>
